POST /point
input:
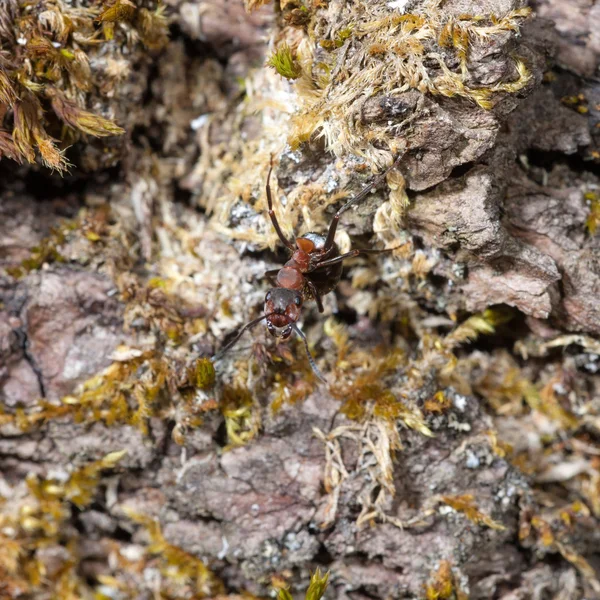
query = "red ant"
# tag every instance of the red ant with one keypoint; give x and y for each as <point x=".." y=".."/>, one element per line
<point x="314" y="270"/>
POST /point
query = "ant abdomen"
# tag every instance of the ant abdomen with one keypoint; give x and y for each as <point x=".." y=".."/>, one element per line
<point x="327" y="278"/>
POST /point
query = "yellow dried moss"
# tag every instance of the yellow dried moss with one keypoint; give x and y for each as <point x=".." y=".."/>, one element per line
<point x="553" y="533"/>
<point x="242" y="419"/>
<point x="593" y="219"/>
<point x="466" y="504"/>
<point x="384" y="53"/>
<point x="38" y="522"/>
<point x="443" y="585"/>
<point x="182" y="572"/>
<point x="46" y="72"/>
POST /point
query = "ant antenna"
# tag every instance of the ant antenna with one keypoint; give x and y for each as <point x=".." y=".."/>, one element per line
<point x="239" y="334"/>
<point x="311" y="360"/>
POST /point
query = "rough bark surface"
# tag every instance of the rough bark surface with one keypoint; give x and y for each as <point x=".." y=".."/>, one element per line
<point x="490" y="464"/>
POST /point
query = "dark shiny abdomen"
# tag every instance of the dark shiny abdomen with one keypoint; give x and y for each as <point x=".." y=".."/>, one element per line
<point x="326" y="278"/>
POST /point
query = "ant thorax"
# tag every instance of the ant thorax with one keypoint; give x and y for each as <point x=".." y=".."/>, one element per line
<point x="290" y="277"/>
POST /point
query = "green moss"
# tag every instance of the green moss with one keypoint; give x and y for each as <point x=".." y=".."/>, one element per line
<point x="204" y="374"/>
<point x="46" y="252"/>
<point x="316" y="589"/>
<point x="341" y="36"/>
<point x="284" y="61"/>
<point x="593" y="219"/>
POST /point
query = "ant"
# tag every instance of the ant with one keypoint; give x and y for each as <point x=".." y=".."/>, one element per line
<point x="314" y="270"/>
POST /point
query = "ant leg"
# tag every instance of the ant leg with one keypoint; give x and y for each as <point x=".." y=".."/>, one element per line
<point x="271" y="274"/>
<point x="282" y="237"/>
<point x="313" y="290"/>
<point x="238" y="335"/>
<point x="311" y="360"/>
<point x="351" y="254"/>
<point x="360" y="196"/>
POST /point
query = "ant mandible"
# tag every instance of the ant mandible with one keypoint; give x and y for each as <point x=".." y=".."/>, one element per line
<point x="314" y="270"/>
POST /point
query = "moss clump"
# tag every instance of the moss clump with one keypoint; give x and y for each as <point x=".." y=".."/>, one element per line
<point x="380" y="389"/>
<point x="72" y="115"/>
<point x="132" y="390"/>
<point x="341" y="36"/>
<point x="363" y="376"/>
<point x="117" y="10"/>
<point x="578" y="103"/>
<point x="443" y="585"/>
<point x="316" y="589"/>
<point x="203" y="374"/>
<point x="242" y="418"/>
<point x="183" y="575"/>
<point x="46" y="252"/>
<point x="91" y="225"/>
<point x="552" y="532"/>
<point x="353" y="55"/>
<point x="47" y="72"/>
<point x="438" y="404"/>
<point x="284" y="61"/>
<point x="40" y="521"/>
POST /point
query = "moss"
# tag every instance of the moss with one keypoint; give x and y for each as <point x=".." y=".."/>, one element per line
<point x="46" y="252"/>
<point x="40" y="521"/>
<point x="116" y="11"/>
<point x="242" y="419"/>
<point x="438" y="404"/>
<point x="552" y="532"/>
<point x="578" y="103"/>
<point x="341" y="36"/>
<point x="466" y="504"/>
<point x="380" y="51"/>
<point x="48" y="75"/>
<point x="179" y="569"/>
<point x="316" y="589"/>
<point x="365" y="391"/>
<point x="204" y="374"/>
<point x="284" y="61"/>
<point x="132" y="390"/>
<point x="443" y="585"/>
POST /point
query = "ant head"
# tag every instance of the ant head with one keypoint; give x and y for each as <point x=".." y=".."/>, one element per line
<point x="282" y="307"/>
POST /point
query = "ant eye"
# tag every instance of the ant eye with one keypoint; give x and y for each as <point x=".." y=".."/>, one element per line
<point x="297" y="300"/>
<point x="268" y="296"/>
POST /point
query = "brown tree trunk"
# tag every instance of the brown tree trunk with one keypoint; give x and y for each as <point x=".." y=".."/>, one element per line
<point x="455" y="449"/>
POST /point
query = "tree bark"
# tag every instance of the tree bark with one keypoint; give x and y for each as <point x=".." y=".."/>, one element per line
<point x="454" y="450"/>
